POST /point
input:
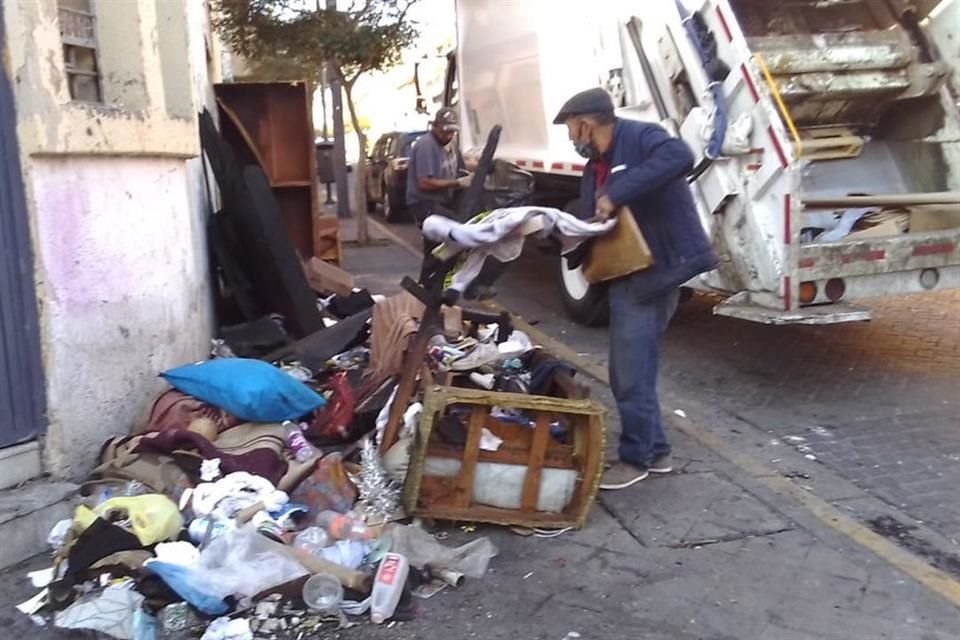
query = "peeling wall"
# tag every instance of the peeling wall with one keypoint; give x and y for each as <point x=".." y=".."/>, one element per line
<point x="126" y="294"/>
<point x="118" y="212"/>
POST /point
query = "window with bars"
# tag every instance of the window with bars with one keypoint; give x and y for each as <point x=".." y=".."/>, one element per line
<point x="78" y="34"/>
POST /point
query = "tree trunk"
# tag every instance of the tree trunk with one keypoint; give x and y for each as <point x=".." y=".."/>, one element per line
<point x="360" y="175"/>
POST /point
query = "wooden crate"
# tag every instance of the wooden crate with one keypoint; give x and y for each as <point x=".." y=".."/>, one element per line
<point x="452" y="497"/>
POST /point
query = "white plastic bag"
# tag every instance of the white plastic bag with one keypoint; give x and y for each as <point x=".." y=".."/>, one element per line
<point x="245" y="563"/>
<point x="421" y="549"/>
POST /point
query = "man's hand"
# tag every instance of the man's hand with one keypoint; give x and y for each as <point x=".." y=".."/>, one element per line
<point x="605" y="208"/>
<point x="464" y="181"/>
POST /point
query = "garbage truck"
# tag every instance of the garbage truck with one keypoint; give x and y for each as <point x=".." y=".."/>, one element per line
<point x="826" y="133"/>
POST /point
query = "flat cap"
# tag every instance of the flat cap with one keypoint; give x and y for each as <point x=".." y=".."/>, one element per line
<point x="446" y="118"/>
<point x="595" y="100"/>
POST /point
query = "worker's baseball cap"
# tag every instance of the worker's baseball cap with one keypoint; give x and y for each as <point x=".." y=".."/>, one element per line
<point x="447" y="119"/>
<point x="595" y="100"/>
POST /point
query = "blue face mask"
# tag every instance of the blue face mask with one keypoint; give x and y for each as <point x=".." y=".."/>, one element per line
<point x="587" y="150"/>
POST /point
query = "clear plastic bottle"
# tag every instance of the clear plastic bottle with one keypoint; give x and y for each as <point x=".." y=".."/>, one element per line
<point x="313" y="539"/>
<point x="344" y="526"/>
<point x="298" y="443"/>
<point x="388" y="587"/>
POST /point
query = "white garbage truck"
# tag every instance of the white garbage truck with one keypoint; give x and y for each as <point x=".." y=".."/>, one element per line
<point x="826" y="133"/>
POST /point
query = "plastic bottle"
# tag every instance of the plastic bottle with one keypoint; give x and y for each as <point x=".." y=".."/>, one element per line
<point x="344" y="526"/>
<point x="298" y="443"/>
<point x="313" y="539"/>
<point x="388" y="587"/>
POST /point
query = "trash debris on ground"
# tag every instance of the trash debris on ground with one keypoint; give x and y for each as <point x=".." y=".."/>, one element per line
<point x="273" y="497"/>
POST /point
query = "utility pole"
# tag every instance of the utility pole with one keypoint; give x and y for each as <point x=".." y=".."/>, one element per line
<point x="339" y="150"/>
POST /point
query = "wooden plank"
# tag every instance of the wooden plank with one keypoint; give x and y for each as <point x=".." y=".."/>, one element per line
<point x="594" y="450"/>
<point x="456" y="395"/>
<point x="325" y="277"/>
<point x="531" y="481"/>
<point x="235" y="119"/>
<point x="471" y="452"/>
<point x="408" y="378"/>
<point x="551" y="460"/>
<point x="326" y="239"/>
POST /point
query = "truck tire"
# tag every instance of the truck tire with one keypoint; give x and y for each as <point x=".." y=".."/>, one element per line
<point x="586" y="304"/>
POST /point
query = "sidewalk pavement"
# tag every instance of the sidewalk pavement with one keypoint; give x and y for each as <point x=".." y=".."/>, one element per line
<point x="709" y="552"/>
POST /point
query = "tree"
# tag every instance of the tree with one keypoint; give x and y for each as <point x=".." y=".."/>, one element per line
<point x="297" y="39"/>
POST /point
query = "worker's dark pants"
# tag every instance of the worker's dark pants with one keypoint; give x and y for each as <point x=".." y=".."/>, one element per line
<point x="492" y="269"/>
<point x="637" y="326"/>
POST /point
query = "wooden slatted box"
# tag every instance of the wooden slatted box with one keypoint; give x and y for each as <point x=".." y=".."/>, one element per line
<point x="552" y="482"/>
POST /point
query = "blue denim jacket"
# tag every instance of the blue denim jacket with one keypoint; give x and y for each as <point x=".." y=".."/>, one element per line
<point x="648" y="174"/>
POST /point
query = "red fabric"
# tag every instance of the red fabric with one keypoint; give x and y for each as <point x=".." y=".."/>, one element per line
<point x="260" y="462"/>
<point x="601" y="171"/>
<point x="332" y="421"/>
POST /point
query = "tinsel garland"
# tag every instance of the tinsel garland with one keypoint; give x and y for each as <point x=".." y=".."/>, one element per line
<point x="379" y="495"/>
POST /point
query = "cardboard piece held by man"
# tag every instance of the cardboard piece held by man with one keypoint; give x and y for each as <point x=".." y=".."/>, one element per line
<point x="618" y="253"/>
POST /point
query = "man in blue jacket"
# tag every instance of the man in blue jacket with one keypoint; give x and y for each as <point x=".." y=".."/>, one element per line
<point x="639" y="165"/>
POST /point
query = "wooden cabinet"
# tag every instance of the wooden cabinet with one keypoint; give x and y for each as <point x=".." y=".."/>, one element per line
<point x="270" y="124"/>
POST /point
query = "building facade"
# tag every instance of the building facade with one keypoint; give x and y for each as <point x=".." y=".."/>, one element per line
<point x="105" y="280"/>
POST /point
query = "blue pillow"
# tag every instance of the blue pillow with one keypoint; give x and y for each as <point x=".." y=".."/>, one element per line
<point x="251" y="390"/>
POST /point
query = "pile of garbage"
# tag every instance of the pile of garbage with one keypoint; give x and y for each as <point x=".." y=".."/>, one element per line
<point x="253" y="501"/>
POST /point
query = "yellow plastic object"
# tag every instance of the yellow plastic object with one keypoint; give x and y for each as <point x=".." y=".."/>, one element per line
<point x="153" y="517"/>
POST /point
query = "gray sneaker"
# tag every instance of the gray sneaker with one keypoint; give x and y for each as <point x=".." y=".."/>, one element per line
<point x="662" y="464"/>
<point x="622" y="475"/>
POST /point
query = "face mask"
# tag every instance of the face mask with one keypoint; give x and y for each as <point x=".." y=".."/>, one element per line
<point x="587" y="150"/>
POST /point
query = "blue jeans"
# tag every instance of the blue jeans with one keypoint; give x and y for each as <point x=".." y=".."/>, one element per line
<point x="636" y="333"/>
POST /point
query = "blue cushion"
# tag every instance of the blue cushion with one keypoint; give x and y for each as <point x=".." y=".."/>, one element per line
<point x="251" y="390"/>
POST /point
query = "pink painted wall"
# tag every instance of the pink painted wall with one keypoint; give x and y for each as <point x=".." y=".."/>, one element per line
<point x="124" y="292"/>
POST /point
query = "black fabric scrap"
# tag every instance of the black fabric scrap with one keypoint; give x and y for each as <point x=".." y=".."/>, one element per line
<point x="100" y="540"/>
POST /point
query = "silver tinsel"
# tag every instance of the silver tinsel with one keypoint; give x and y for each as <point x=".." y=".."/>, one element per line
<point x="379" y="495"/>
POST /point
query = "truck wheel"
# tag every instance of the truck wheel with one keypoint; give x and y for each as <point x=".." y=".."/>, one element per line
<point x="585" y="303"/>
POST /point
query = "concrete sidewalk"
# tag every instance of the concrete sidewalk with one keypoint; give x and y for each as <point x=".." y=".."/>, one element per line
<point x="711" y="552"/>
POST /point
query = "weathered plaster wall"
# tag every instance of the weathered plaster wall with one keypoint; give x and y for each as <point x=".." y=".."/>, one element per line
<point x="134" y="119"/>
<point x="125" y="293"/>
<point x="118" y="209"/>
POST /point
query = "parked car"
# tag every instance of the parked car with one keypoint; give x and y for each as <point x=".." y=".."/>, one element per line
<point x="387" y="173"/>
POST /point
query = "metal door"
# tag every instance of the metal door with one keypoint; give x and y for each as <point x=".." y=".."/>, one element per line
<point x="21" y="382"/>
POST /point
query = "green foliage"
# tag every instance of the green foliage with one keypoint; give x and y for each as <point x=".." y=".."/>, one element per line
<point x="293" y="38"/>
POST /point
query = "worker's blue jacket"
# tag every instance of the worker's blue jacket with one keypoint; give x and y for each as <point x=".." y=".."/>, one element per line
<point x="648" y="169"/>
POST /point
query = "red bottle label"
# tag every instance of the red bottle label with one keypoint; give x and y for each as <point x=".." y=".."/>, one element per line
<point x="388" y="569"/>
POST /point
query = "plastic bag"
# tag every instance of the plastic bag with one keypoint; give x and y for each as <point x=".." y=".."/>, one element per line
<point x="247" y="563"/>
<point x="471" y="559"/>
<point x="239" y="563"/>
<point x="153" y="517"/>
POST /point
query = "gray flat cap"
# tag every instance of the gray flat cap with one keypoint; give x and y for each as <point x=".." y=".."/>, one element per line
<point x="590" y="101"/>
